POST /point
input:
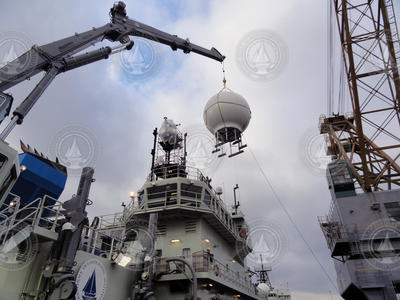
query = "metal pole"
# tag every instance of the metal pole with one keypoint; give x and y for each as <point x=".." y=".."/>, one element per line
<point x="234" y="197"/>
<point x="23" y="109"/>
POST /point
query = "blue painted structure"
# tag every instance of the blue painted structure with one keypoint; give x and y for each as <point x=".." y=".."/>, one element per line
<point x="41" y="177"/>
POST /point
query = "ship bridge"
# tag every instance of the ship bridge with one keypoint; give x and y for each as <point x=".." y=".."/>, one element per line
<point x="174" y="190"/>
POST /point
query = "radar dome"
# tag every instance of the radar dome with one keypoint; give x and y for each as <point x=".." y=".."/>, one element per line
<point x="168" y="131"/>
<point x="226" y="113"/>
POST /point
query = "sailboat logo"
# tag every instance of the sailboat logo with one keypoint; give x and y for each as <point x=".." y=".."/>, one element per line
<point x="268" y="243"/>
<point x="261" y="54"/>
<point x="141" y="60"/>
<point x="200" y="152"/>
<point x="91" y="281"/>
<point x="75" y="147"/>
<point x="316" y="152"/>
<point x="387" y="250"/>
<point x="200" y="144"/>
<point x="9" y="55"/>
<point x="89" y="291"/>
<point x="74" y="155"/>
<point x="379" y="59"/>
<point x="13" y="45"/>
<point x="381" y="247"/>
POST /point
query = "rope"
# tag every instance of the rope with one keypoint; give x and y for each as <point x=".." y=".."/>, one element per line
<point x="223" y="73"/>
<point x="291" y="219"/>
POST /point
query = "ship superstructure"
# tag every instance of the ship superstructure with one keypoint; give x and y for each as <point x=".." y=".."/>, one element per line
<point x="175" y="239"/>
<point x="193" y="223"/>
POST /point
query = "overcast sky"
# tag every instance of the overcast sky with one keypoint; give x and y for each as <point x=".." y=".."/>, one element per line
<point x="121" y="113"/>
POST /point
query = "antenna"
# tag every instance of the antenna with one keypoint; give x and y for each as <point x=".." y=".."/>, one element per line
<point x="237" y="204"/>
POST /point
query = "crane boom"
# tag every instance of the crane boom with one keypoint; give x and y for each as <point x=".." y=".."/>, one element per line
<point x="58" y="56"/>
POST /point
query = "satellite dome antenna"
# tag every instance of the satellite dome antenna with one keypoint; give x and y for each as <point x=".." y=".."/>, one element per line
<point x="227" y="115"/>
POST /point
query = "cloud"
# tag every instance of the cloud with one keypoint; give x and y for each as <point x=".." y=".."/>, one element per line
<point x="122" y="115"/>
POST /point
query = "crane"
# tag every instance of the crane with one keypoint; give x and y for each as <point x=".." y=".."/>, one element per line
<point x="367" y="138"/>
<point x="59" y="56"/>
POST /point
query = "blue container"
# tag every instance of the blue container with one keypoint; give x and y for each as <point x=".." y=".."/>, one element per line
<point x="41" y="177"/>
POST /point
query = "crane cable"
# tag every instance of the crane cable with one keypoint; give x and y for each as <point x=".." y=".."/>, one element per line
<point x="296" y="227"/>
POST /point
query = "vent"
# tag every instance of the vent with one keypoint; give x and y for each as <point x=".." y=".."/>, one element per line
<point x="161" y="230"/>
<point x="190" y="226"/>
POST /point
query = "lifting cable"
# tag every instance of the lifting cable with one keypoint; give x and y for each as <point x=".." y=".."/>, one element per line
<point x="296" y="227"/>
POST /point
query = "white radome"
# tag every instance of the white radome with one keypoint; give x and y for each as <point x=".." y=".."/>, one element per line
<point x="226" y="109"/>
<point x="168" y="131"/>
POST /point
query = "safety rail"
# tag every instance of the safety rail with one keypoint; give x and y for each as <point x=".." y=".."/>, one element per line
<point x="111" y="220"/>
<point x="187" y="199"/>
<point x="173" y="171"/>
<point x="335" y="232"/>
<point x="205" y="262"/>
<point x="42" y="212"/>
<point x="100" y="242"/>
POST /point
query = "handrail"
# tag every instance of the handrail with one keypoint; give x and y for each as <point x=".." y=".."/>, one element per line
<point x="203" y="262"/>
<point x="34" y="212"/>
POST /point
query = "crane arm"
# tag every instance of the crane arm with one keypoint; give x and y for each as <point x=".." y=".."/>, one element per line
<point x="58" y="56"/>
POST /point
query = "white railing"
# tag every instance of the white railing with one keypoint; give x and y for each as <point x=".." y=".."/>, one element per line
<point x="204" y="262"/>
<point x="42" y="212"/>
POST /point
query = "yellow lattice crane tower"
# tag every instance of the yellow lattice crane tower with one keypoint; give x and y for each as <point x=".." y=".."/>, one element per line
<point x="368" y="139"/>
<point x="362" y="228"/>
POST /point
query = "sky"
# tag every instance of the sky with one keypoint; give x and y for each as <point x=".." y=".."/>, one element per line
<point x="119" y="112"/>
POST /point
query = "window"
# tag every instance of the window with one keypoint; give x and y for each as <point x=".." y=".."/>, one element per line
<point x="190" y="190"/>
<point x="3" y="160"/>
<point x="162" y="191"/>
<point x="393" y="210"/>
<point x="186" y="252"/>
<point x="207" y="198"/>
<point x="7" y="182"/>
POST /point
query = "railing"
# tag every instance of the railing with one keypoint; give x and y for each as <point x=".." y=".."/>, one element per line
<point x="162" y="172"/>
<point x="98" y="242"/>
<point x="205" y="262"/>
<point x="43" y="212"/>
<point x="353" y="234"/>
